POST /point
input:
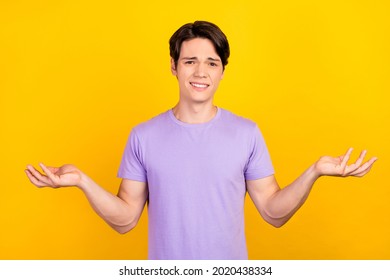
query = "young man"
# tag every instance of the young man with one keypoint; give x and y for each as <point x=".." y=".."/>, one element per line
<point x="194" y="165"/>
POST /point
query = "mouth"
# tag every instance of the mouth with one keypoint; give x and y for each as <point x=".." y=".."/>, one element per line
<point x="199" y="86"/>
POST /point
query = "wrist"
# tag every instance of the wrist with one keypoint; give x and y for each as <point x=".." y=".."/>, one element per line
<point x="315" y="171"/>
<point x="84" y="182"/>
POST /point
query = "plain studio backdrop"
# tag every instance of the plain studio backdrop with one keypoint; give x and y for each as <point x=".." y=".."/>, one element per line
<point x="76" y="76"/>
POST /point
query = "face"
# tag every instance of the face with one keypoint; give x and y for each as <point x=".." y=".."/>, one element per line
<point x="199" y="70"/>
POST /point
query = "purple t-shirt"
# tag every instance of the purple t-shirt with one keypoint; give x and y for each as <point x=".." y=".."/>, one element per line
<point x="196" y="177"/>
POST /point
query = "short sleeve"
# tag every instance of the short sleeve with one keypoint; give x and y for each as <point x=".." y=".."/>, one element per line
<point x="132" y="166"/>
<point x="259" y="164"/>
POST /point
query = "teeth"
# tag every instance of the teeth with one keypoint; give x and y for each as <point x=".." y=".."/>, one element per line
<point x="199" y="85"/>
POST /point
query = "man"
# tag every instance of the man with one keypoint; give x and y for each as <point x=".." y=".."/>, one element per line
<point x="194" y="165"/>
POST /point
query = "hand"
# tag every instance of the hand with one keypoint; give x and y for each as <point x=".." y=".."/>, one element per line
<point x="337" y="166"/>
<point x="64" y="176"/>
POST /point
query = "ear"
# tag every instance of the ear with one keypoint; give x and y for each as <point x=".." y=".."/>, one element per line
<point x="173" y="67"/>
<point x="223" y="73"/>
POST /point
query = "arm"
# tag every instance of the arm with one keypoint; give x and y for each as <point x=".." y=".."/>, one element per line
<point x="277" y="205"/>
<point x="121" y="212"/>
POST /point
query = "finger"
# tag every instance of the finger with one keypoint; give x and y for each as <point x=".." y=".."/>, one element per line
<point x="53" y="169"/>
<point x="361" y="157"/>
<point x="34" y="180"/>
<point x="38" y="176"/>
<point x="362" y="173"/>
<point x="364" y="168"/>
<point x="49" y="174"/>
<point x="346" y="158"/>
<point x="353" y="167"/>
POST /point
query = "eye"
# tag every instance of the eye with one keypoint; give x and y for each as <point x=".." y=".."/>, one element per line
<point x="213" y="64"/>
<point x="189" y="62"/>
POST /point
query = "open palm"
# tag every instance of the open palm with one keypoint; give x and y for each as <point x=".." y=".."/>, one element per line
<point x="337" y="166"/>
<point x="66" y="175"/>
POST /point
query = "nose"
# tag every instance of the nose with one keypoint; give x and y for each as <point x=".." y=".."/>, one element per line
<point x="200" y="71"/>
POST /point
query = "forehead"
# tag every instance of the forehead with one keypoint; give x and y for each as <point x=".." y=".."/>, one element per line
<point x="198" y="47"/>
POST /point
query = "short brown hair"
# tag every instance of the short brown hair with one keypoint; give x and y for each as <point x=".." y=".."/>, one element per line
<point x="200" y="29"/>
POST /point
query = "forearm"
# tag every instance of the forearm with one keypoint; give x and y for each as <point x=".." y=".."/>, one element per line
<point x="283" y="204"/>
<point x="112" y="209"/>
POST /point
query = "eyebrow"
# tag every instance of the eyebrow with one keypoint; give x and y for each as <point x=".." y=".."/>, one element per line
<point x="195" y="58"/>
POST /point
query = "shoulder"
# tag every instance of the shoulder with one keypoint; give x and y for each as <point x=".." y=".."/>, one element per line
<point x="152" y="125"/>
<point x="237" y="121"/>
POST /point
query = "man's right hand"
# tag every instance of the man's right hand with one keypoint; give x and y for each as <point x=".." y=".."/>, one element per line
<point x="121" y="212"/>
<point x="55" y="177"/>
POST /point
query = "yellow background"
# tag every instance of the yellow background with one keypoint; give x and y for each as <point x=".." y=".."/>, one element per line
<point x="76" y="76"/>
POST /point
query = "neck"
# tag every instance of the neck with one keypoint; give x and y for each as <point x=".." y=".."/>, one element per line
<point x="194" y="113"/>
